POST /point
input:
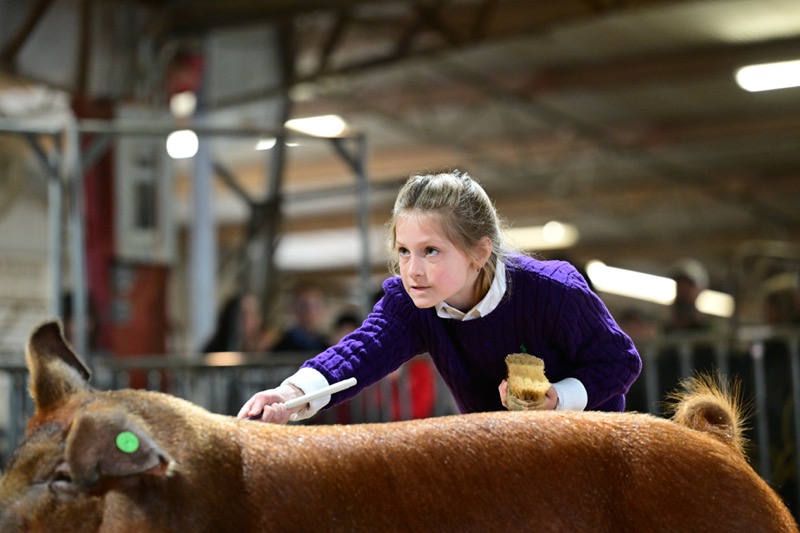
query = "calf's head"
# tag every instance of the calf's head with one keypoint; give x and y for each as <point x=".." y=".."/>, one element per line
<point x="77" y="449"/>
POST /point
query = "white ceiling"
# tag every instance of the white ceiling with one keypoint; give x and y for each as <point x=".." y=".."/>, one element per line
<point x="622" y="118"/>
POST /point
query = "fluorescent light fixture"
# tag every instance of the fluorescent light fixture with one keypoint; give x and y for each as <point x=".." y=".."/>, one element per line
<point x="630" y="283"/>
<point x="183" y="104"/>
<point x="266" y="143"/>
<point x="769" y="76"/>
<point x="182" y="144"/>
<point x="321" y="126"/>
<point x="329" y="249"/>
<point x="651" y="288"/>
<point x="552" y="236"/>
<point x="715" y="303"/>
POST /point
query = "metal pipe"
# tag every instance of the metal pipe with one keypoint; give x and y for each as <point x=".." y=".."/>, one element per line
<point x="757" y="355"/>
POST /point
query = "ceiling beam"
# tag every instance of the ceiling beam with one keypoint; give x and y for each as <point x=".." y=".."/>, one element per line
<point x="701" y="63"/>
<point x="8" y="55"/>
<point x="366" y="23"/>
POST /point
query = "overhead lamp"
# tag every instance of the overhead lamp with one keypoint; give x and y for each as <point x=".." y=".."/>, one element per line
<point x="630" y="283"/>
<point x="183" y="104"/>
<point x="769" y="76"/>
<point x="651" y="288"/>
<point x="266" y="143"/>
<point x="182" y="144"/>
<point x="321" y="126"/>
<point x="715" y="303"/>
<point x="552" y="236"/>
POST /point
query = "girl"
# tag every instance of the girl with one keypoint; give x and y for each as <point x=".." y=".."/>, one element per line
<point x="468" y="302"/>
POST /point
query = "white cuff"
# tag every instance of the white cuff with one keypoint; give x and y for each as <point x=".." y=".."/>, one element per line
<point x="572" y="395"/>
<point x="308" y="380"/>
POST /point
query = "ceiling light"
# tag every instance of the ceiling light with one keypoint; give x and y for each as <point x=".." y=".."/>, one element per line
<point x="630" y="283"/>
<point x="266" y="143"/>
<point x="715" y="303"/>
<point x="183" y="104"/>
<point x="303" y="92"/>
<point x="321" y="126"/>
<point x="651" y="288"/>
<point x="182" y="144"/>
<point x="552" y="236"/>
<point x="769" y="76"/>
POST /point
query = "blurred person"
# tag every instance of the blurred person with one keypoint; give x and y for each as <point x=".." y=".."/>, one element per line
<point x="639" y="325"/>
<point x="309" y="309"/>
<point x="346" y="322"/>
<point x="679" y="361"/>
<point x="642" y="328"/>
<point x="781" y="305"/>
<point x="781" y="313"/>
<point x="238" y="327"/>
<point x="691" y="278"/>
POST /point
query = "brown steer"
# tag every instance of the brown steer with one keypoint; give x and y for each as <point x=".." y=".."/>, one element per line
<point x="120" y="461"/>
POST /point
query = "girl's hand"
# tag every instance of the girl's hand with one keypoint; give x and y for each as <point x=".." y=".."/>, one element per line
<point x="503" y="389"/>
<point x="269" y="404"/>
<point x="550" y="397"/>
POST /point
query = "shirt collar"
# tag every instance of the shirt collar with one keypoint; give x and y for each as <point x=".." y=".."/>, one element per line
<point x="485" y="306"/>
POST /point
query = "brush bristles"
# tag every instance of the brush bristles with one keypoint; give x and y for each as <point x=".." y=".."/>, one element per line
<point x="526" y="379"/>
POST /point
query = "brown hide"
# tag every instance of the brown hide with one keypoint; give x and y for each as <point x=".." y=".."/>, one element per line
<point x="190" y="470"/>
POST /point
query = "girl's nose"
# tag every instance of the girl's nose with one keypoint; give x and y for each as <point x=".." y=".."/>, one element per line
<point x="414" y="266"/>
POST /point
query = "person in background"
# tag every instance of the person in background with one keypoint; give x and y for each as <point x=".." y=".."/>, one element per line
<point x="468" y="301"/>
<point x="307" y="333"/>
<point x="676" y="362"/>
<point x="638" y="324"/>
<point x="239" y="327"/>
<point x="642" y="328"/>
<point x="781" y="313"/>
<point x="346" y="322"/>
<point x="691" y="278"/>
<point x="781" y="306"/>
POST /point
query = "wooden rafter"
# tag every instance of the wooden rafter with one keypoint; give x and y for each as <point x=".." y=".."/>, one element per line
<point x="8" y="56"/>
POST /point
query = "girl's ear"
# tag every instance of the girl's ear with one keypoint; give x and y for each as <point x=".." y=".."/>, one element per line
<point x="483" y="251"/>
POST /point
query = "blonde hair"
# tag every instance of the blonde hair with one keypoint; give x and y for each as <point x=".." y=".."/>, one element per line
<point x="464" y="212"/>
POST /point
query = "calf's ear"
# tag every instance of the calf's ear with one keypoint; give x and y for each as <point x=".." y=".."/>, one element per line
<point x="55" y="371"/>
<point x="109" y="445"/>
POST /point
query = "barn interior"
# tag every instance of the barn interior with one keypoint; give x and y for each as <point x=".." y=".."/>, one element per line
<point x="623" y="136"/>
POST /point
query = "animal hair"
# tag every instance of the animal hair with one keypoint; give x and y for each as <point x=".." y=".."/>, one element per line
<point x="707" y="402"/>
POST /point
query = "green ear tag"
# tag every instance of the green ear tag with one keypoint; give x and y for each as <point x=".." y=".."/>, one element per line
<point x="127" y="442"/>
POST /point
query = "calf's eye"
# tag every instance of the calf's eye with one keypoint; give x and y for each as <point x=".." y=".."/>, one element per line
<point x="62" y="478"/>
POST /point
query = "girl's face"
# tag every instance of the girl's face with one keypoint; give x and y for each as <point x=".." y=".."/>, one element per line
<point x="433" y="269"/>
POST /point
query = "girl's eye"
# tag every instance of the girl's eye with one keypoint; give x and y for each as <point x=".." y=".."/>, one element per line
<point x="431" y="251"/>
<point x="402" y="251"/>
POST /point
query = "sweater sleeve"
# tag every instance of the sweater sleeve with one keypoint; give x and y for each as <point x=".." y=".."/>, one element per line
<point x="386" y="339"/>
<point x="602" y="357"/>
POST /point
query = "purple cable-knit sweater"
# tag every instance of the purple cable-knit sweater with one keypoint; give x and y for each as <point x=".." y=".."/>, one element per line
<point x="548" y="311"/>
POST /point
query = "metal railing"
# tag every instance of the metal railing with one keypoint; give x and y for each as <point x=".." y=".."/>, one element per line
<point x="223" y="382"/>
<point x="765" y="362"/>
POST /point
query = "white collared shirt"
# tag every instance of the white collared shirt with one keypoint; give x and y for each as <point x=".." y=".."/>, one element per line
<point x="488" y="304"/>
